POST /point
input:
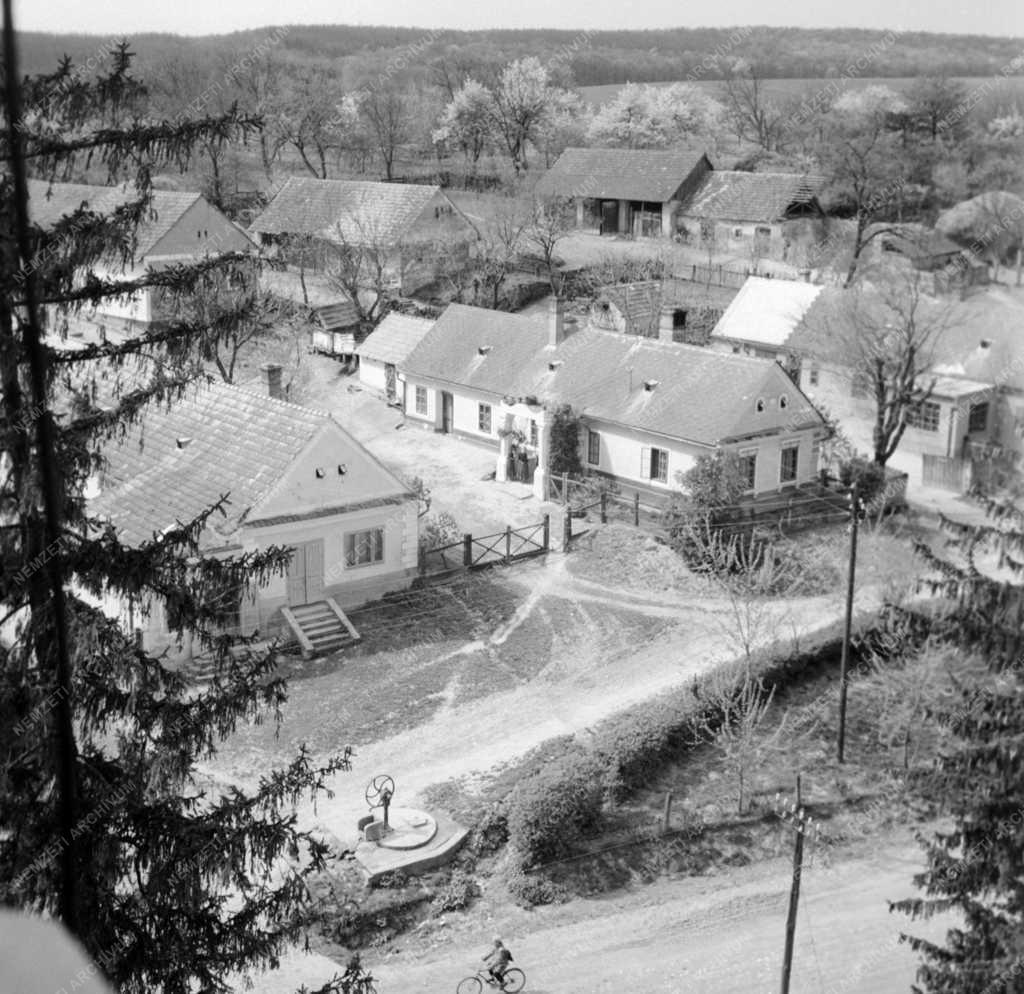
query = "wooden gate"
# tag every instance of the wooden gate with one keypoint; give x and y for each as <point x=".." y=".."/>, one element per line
<point x="943" y="472"/>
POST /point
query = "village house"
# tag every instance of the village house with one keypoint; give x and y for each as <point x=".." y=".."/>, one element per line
<point x="620" y="191"/>
<point x="927" y="250"/>
<point x="647" y="407"/>
<point x="385" y="351"/>
<point x="803" y="328"/>
<point x="408" y="230"/>
<point x="293" y="477"/>
<point x="757" y="215"/>
<point x="179" y="228"/>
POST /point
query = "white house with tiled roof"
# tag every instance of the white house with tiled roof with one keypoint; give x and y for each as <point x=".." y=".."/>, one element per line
<point x="293" y="478"/>
<point x="386" y="349"/>
<point x="649" y="407"/>
<point x="179" y="227"/>
<point x="408" y="226"/>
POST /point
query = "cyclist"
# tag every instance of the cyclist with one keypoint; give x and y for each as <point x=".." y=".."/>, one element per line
<point x="502" y="957"/>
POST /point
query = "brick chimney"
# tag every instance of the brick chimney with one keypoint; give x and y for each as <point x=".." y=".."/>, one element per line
<point x="272" y="379"/>
<point x="556" y="321"/>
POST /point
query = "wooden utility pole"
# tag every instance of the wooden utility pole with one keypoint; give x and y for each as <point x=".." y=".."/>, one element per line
<point x="803" y="825"/>
<point x="845" y="658"/>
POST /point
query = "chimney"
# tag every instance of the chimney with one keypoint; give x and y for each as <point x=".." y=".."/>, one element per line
<point x="556" y="321"/>
<point x="272" y="378"/>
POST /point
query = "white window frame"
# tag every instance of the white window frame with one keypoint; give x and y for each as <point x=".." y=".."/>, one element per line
<point x="745" y="454"/>
<point x="420" y="391"/>
<point x="648" y="462"/>
<point x="480" y="409"/>
<point x="785" y="448"/>
<point x="354" y="543"/>
<point x="593" y="442"/>
<point x="915" y="418"/>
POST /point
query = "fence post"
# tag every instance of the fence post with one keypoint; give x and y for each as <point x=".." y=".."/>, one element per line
<point x="565" y="489"/>
<point x="636" y="509"/>
<point x="693" y="275"/>
<point x="604" y="508"/>
<point x="566" y="531"/>
<point x="547" y="532"/>
<point x="508" y="544"/>
<point x="467" y="549"/>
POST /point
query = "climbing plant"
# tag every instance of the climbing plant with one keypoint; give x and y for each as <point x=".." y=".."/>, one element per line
<point x="564" y="451"/>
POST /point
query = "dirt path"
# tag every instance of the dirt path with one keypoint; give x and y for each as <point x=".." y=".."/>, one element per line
<point x="721" y="934"/>
<point x="581" y="684"/>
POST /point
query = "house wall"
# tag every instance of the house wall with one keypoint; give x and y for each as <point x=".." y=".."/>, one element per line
<point x="465" y="410"/>
<point x="622" y="451"/>
<point x="440" y="230"/>
<point x="371" y="374"/>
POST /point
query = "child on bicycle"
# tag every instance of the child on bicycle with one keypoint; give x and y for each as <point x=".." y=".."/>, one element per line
<point x="502" y="957"/>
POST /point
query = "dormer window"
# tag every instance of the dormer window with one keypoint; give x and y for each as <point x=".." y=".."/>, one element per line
<point x="783" y="402"/>
<point x="760" y="405"/>
<point x="483" y="349"/>
<point x="320" y="472"/>
<point x="182" y="442"/>
<point x="554" y="364"/>
<point x="985" y="343"/>
<point x="649" y="385"/>
<point x="342" y="469"/>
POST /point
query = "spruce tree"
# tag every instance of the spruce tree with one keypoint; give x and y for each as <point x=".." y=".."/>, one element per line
<point x="172" y="885"/>
<point x="975" y="868"/>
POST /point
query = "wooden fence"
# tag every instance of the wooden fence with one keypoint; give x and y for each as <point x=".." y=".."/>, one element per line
<point x="476" y="552"/>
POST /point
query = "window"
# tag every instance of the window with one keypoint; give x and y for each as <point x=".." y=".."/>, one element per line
<point x="593" y="448"/>
<point x="364" y="548"/>
<point x="812" y="376"/>
<point x="760" y="405"/>
<point x="654" y="465"/>
<point x="783" y="402"/>
<point x="787" y="466"/>
<point x="534" y="434"/>
<point x="763" y="232"/>
<point x="977" y="419"/>
<point x="926" y="417"/>
<point x="421" y="400"/>
<point x="748" y="469"/>
<point x="737" y="232"/>
<point x="483" y="419"/>
<point x="861" y="383"/>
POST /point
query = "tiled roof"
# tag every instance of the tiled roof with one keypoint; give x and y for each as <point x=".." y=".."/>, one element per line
<point x="638" y="303"/>
<point x="701" y="396"/>
<point x="356" y="211"/>
<point x="49" y="202"/>
<point x="241" y="445"/>
<point x="618" y="173"/>
<point x="335" y="317"/>
<point x="916" y="241"/>
<point x="394" y="338"/>
<point x="766" y="311"/>
<point x="728" y="195"/>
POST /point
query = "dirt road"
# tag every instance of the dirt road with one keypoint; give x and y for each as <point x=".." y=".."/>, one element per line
<point x="705" y="935"/>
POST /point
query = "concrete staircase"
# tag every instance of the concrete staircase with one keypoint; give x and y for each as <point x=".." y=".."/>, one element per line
<point x="321" y="627"/>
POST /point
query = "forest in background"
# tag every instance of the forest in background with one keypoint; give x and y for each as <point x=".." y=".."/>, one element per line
<point x="595" y="57"/>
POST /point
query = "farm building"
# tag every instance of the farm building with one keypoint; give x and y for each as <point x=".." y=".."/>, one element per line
<point x="625" y="191"/>
<point x="178" y="227"/>
<point x="407" y="229"/>
<point x="648" y="408"/>
<point x="386" y="349"/>
<point x="293" y="478"/>
<point x="761" y="215"/>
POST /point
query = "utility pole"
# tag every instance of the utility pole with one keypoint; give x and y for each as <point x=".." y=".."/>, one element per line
<point x="845" y="658"/>
<point x="803" y="826"/>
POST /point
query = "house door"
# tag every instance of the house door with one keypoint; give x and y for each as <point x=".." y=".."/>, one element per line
<point x="306" y="574"/>
<point x="609" y="217"/>
<point x="389" y="381"/>
<point x="762" y="240"/>
<point x="446" y="411"/>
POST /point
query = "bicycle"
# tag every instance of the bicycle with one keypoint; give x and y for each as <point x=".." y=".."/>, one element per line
<point x="512" y="981"/>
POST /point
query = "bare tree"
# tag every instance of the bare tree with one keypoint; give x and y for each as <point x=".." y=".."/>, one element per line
<point x="389" y="116"/>
<point x="316" y="118"/>
<point x="886" y="337"/>
<point x="755" y="115"/>
<point x="549" y="224"/>
<point x="261" y="85"/>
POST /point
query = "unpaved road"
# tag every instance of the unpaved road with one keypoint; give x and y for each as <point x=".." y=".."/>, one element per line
<point x="704" y="935"/>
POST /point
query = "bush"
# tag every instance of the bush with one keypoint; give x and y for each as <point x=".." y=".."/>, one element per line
<point x="529" y="890"/>
<point x="549" y="812"/>
<point x="490" y="832"/>
<point x="457" y="894"/>
<point x="869" y="475"/>
<point x="437" y="531"/>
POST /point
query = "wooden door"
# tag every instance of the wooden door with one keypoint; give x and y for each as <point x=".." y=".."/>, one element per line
<point x="306" y="574"/>
<point x="389" y="381"/>
<point x="447" y="410"/>
<point x="609" y="217"/>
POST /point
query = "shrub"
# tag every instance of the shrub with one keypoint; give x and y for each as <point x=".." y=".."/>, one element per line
<point x="556" y="807"/>
<point x="457" y="894"/>
<point x="565" y="443"/>
<point x="869" y="475"/>
<point x="436" y="531"/>
<point x="530" y="889"/>
<point x="490" y="832"/>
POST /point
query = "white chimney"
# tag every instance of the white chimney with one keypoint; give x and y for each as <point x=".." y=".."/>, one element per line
<point x="556" y="321"/>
